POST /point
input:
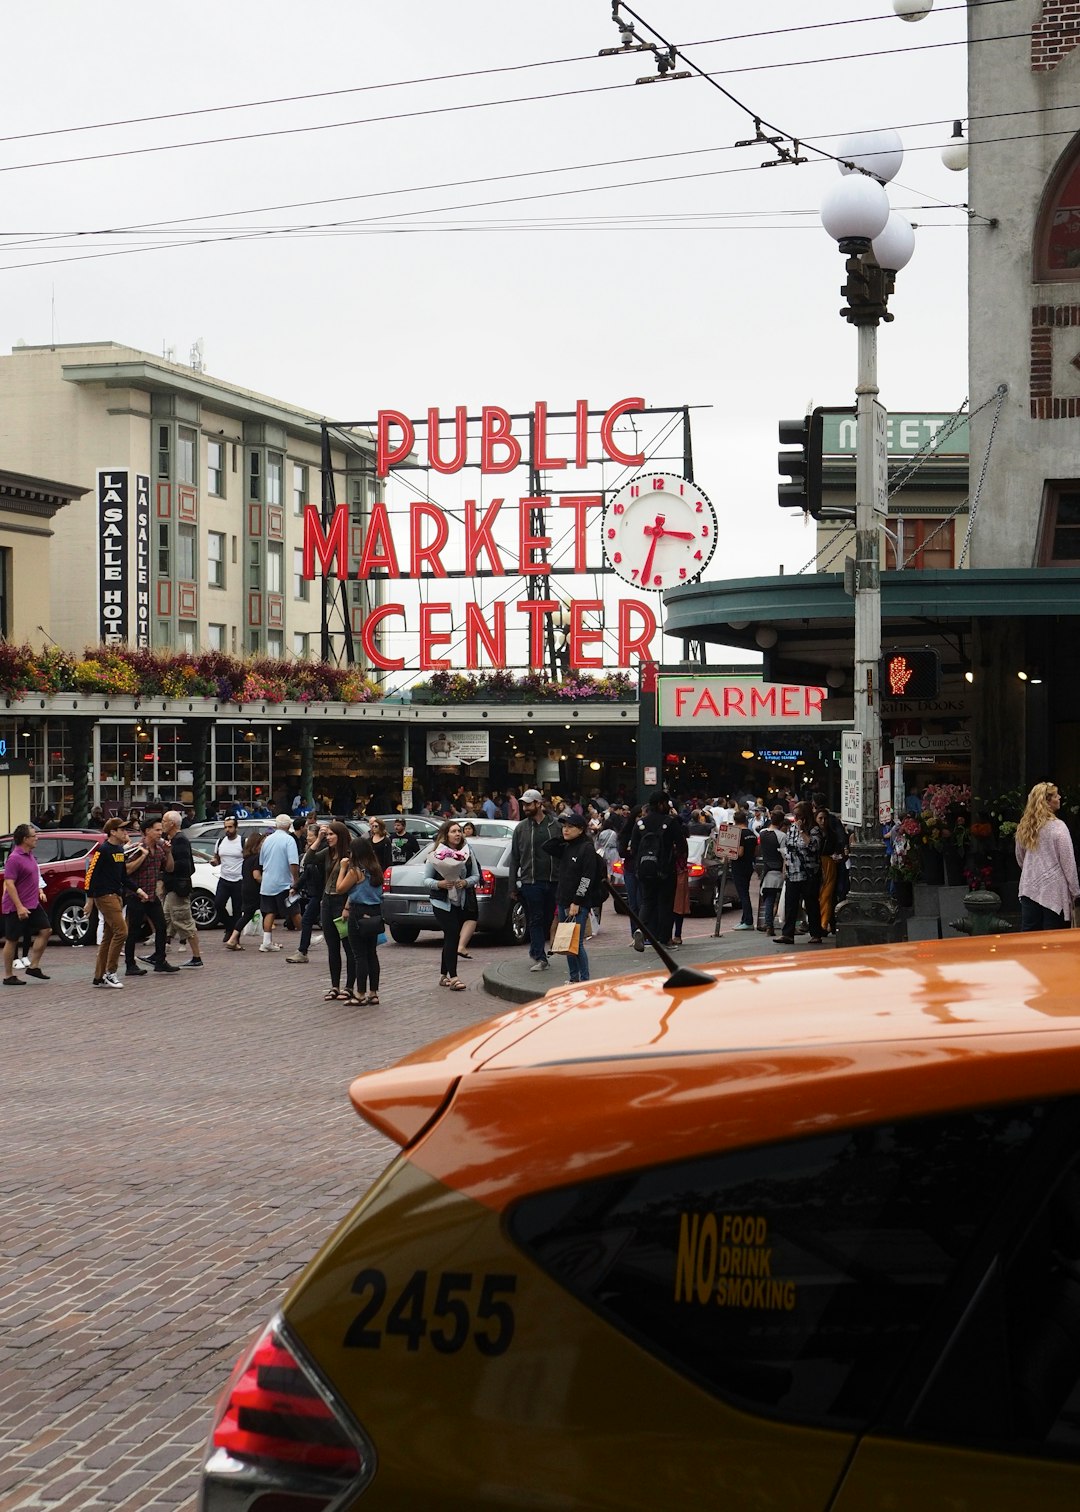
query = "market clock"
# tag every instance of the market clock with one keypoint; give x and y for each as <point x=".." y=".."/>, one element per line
<point x="659" y="531"/>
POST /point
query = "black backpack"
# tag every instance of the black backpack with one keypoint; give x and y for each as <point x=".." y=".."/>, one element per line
<point x="654" y="854"/>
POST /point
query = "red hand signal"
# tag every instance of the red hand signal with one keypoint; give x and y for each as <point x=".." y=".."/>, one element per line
<point x="900" y="674"/>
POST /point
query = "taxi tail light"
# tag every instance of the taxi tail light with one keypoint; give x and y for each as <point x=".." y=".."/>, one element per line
<point x="277" y="1429"/>
<point x="695" y="869"/>
<point x="486" y="887"/>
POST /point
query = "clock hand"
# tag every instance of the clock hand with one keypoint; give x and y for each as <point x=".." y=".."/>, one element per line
<point x="679" y="535"/>
<point x="656" y="534"/>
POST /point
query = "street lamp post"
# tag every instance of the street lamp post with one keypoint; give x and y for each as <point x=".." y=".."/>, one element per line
<point x="876" y="243"/>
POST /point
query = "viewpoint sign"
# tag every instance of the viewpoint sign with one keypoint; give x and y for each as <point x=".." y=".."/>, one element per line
<point x="738" y="703"/>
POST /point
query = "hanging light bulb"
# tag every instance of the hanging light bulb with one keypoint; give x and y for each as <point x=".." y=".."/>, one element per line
<point x="955" y="152"/>
<point x="913" y="10"/>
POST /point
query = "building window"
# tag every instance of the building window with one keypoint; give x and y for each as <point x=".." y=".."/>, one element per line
<point x="301" y="645"/>
<point x="163" y="450"/>
<point x="274" y="567"/>
<point x="215" y="559"/>
<point x="185" y="553"/>
<point x="299" y="488"/>
<point x="923" y="543"/>
<point x="254" y="565"/>
<point x="215" y="468"/>
<point x="1061" y="526"/>
<point x="254" y="644"/>
<point x="1057" y="229"/>
<point x="301" y="585"/>
<point x="5" y="591"/>
<point x="275" y="477"/>
<point x="275" y="643"/>
<point x="185" y="454"/>
<point x="254" y="476"/>
<point x="186" y="632"/>
<point x="164" y="558"/>
<point x="215" y="637"/>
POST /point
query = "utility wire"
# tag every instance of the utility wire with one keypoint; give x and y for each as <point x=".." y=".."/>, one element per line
<point x="474" y="73"/>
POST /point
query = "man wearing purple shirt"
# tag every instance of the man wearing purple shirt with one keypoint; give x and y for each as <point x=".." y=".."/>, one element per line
<point x="21" y="908"/>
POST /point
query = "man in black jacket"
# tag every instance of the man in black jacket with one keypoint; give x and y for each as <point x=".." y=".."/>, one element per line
<point x="576" y="884"/>
<point x="532" y="874"/>
<point x="657" y="844"/>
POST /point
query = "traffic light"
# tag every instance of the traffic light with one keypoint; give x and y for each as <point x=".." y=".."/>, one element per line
<point x="803" y="467"/>
<point x="910" y="674"/>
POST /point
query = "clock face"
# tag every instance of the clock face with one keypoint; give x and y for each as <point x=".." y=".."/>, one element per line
<point x="659" y="531"/>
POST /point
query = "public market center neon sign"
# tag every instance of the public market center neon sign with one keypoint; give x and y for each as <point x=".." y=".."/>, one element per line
<point x="500" y="451"/>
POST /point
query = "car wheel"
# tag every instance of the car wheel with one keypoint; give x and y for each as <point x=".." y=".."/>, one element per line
<point x="404" y="934"/>
<point x="203" y="908"/>
<point x="516" y="929"/>
<point x="69" y="921"/>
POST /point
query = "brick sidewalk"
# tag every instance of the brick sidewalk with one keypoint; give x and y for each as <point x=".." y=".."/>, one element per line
<point x="172" y="1154"/>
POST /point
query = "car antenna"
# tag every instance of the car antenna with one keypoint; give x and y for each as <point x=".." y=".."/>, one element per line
<point x="681" y="976"/>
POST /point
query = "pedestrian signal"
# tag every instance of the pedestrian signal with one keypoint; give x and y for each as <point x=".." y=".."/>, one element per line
<point x="910" y="674"/>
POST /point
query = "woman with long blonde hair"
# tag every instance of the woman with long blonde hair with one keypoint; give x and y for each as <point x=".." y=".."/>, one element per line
<point x="1044" y="849"/>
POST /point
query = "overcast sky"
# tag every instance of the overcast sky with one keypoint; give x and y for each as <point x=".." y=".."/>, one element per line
<point x="700" y="279"/>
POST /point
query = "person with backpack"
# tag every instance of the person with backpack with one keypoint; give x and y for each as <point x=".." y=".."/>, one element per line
<point x="657" y="844"/>
<point x="577" y="883"/>
<point x="742" y="868"/>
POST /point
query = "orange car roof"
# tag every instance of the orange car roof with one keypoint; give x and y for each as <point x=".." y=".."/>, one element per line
<point x="924" y="993"/>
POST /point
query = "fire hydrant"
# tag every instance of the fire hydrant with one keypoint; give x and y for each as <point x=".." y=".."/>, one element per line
<point x="982" y="914"/>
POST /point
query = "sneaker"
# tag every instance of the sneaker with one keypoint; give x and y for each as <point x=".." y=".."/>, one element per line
<point x="268" y="948"/>
<point x="136" y="971"/>
<point x="298" y="958"/>
<point x="14" y="981"/>
<point x="316" y="939"/>
<point x="150" y="960"/>
<point x="639" y="942"/>
<point x="166" y="966"/>
<point x="744" y="926"/>
<point x="110" y="979"/>
<point x="539" y="966"/>
<point x="21" y="964"/>
<point x="187" y="965"/>
<point x="181" y="944"/>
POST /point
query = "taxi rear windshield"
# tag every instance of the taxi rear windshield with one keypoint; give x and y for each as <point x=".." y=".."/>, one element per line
<point x="797" y="1278"/>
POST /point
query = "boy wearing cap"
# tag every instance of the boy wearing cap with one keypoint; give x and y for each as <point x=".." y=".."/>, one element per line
<point x="576" y="886"/>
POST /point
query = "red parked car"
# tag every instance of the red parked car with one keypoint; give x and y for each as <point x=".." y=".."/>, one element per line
<point x="61" y="855"/>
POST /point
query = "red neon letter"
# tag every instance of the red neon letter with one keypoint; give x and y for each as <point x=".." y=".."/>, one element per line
<point x="430" y="638"/>
<point x="477" y="633"/>
<point x="536" y="609"/>
<point x="378" y="550"/>
<point x="541" y="460"/>
<point x="762" y="700"/>
<point x="734" y="700"/>
<point x="581" y="443"/>
<point x="479" y="538"/>
<point x="527" y="542"/>
<point x="367" y="638"/>
<point x="495" y="427"/>
<point x="813" y="699"/>
<point x="630" y="644"/>
<point x="579" y="635"/>
<point x="789" y="702"/>
<point x="580" y="504"/>
<point x="706" y="701"/>
<point x="329" y="548"/>
<point x="419" y="554"/>
<point x="681" y="695"/>
<point x="386" y="455"/>
<point x="607" y="428"/>
<point x="457" y="462"/>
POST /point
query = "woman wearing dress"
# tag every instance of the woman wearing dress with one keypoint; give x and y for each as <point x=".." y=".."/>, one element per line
<point x="363" y="910"/>
<point x="448" y="895"/>
<point x="1044" y="849"/>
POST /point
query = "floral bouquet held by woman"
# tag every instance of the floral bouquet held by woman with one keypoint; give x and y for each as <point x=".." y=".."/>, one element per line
<point x="450" y="865"/>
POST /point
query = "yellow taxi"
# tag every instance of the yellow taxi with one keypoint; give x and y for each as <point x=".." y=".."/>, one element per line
<point x="804" y="1236"/>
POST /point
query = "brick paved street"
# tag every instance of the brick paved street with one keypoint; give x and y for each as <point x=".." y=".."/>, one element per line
<point x="171" y="1155"/>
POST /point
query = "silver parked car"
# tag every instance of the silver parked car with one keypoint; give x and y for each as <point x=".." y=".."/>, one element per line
<point x="407" y="906"/>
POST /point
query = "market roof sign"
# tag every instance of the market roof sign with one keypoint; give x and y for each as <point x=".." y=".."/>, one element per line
<point x="736" y="702"/>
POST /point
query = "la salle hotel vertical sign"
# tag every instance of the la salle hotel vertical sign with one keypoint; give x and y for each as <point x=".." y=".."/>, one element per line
<point x="114" y="495"/>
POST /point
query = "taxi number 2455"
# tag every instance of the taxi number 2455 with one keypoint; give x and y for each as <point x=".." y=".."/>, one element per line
<point x="446" y="1312"/>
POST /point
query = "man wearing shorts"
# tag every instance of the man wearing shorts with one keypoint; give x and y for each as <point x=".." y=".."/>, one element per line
<point x="21" y="905"/>
<point x="279" y="861"/>
<point x="176" y="880"/>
